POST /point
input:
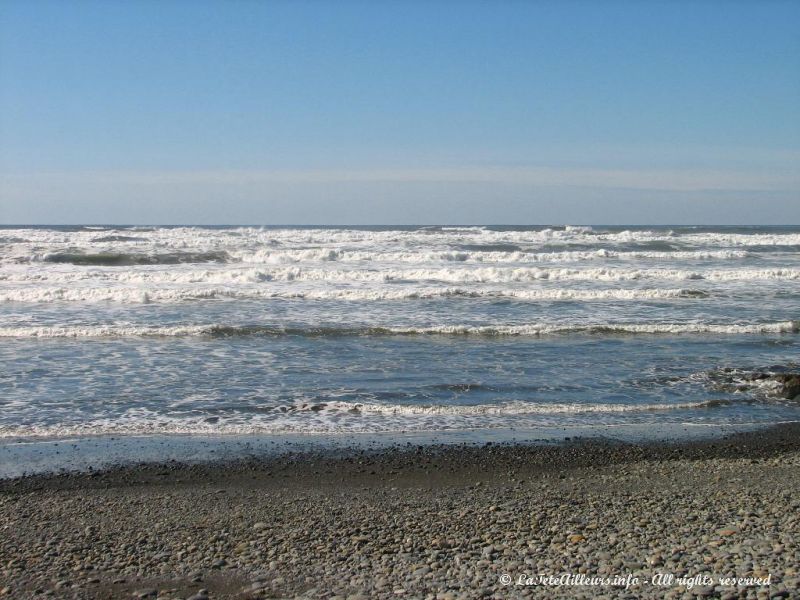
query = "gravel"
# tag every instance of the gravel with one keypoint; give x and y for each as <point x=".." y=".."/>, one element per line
<point x="419" y="522"/>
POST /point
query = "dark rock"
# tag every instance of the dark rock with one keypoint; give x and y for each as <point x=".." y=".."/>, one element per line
<point x="791" y="385"/>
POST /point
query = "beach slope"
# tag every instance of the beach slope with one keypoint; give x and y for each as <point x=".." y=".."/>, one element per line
<point x="589" y="519"/>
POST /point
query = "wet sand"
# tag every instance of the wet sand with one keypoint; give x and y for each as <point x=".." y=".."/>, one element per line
<point x="722" y="517"/>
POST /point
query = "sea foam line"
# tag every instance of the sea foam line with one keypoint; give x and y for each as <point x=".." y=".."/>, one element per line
<point x="186" y="237"/>
<point x="333" y="417"/>
<point x="533" y="330"/>
<point x="108" y="256"/>
<point x="505" y="408"/>
<point x="134" y="295"/>
<point x="384" y="274"/>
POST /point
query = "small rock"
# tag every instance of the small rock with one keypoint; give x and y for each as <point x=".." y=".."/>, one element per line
<point x="576" y="538"/>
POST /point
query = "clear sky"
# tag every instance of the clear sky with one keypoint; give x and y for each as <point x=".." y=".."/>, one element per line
<point x="399" y="112"/>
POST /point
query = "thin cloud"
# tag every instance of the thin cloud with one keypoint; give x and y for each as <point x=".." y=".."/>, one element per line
<point x="650" y="179"/>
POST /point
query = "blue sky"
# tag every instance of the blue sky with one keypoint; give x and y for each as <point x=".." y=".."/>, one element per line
<point x="391" y="112"/>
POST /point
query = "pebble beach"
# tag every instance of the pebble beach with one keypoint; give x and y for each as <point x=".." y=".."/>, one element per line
<point x="584" y="519"/>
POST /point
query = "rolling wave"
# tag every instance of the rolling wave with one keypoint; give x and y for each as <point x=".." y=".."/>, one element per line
<point x="133" y="295"/>
<point x="200" y="236"/>
<point x="395" y="275"/>
<point x="465" y="254"/>
<point x="505" y="408"/>
<point x="474" y="253"/>
<point x="334" y="417"/>
<point x="533" y="330"/>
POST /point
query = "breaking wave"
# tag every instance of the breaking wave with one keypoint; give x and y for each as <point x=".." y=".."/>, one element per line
<point x="336" y="417"/>
<point x="129" y="295"/>
<point x="506" y="408"/>
<point x="533" y="330"/>
<point x="392" y="275"/>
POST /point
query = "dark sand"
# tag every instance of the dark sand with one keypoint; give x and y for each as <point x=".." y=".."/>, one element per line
<point x="418" y="522"/>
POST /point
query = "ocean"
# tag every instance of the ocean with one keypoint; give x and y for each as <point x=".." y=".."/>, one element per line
<point x="241" y="331"/>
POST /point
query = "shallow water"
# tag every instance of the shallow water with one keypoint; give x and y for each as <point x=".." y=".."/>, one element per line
<point x="217" y="331"/>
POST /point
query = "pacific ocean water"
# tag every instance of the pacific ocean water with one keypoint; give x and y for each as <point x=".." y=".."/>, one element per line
<point x="233" y="331"/>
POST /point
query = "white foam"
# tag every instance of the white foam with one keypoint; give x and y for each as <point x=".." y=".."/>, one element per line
<point x="341" y="417"/>
<point x="94" y="331"/>
<point x="502" y="409"/>
<point x="318" y="244"/>
<point x="633" y="328"/>
<point x="388" y="274"/>
<point x="271" y="256"/>
<point x="200" y="236"/>
<point x="483" y="330"/>
<point x="133" y="295"/>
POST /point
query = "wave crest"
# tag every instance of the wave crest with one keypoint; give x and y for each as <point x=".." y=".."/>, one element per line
<point x="134" y="295"/>
<point x="533" y="330"/>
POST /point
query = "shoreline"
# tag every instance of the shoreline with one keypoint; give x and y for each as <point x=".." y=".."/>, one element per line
<point x="31" y="456"/>
<point x="419" y="521"/>
<point x="535" y="456"/>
